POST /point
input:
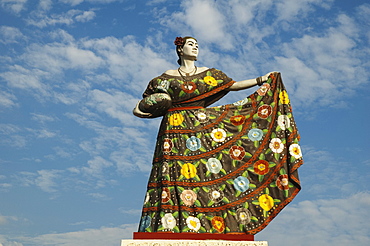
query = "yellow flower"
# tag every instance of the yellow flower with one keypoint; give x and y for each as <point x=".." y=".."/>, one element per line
<point x="284" y="98"/>
<point x="176" y="119"/>
<point x="266" y="202"/>
<point x="210" y="80"/>
<point x="189" y="170"/>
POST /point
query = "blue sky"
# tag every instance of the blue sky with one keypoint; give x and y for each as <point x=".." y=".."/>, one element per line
<point x="74" y="161"/>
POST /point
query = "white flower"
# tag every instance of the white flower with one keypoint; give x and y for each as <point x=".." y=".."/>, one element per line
<point x="284" y="121"/>
<point x="168" y="221"/>
<point x="214" y="165"/>
<point x="218" y="135"/>
<point x="193" y="223"/>
<point x="241" y="102"/>
<point x="295" y="151"/>
<point x="276" y="145"/>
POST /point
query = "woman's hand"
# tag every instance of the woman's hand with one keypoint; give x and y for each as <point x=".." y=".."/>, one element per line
<point x="266" y="76"/>
<point x="137" y="112"/>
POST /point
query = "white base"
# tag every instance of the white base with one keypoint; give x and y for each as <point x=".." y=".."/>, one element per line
<point x="191" y="243"/>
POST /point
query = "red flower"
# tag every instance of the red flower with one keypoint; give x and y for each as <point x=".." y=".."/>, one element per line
<point x="218" y="223"/>
<point x="166" y="195"/>
<point x="283" y="182"/>
<point x="179" y="41"/>
<point x="237" y="152"/>
<point x="189" y="87"/>
<point x="261" y="167"/>
<point x="264" y="111"/>
<point x="237" y="120"/>
<point x="167" y="145"/>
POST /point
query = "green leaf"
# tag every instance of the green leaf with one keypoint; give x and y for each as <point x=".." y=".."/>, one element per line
<point x="261" y="177"/>
<point x="197" y="123"/>
<point x="231" y="212"/>
<point x="219" y="157"/>
<point x="187" y="151"/>
<point x="241" y="227"/>
<point x="197" y="203"/>
<point x="272" y="164"/>
<point x="199" y="135"/>
<point x="252" y="186"/>
<point x="256" y="202"/>
<point x="277" y="156"/>
<point x="262" y="157"/>
<point x="230" y="181"/>
<point x="247" y="154"/>
<point x="223" y="171"/>
<point x="234" y="163"/>
<point x="181" y="189"/>
<point x="175" y="214"/>
<point x="286" y="193"/>
<point x="277" y="200"/>
<point x="196" y="189"/>
<point x="222" y="187"/>
<point x="200" y="216"/>
<point x="225" y="200"/>
<point x="206" y="189"/>
<point x="267" y="191"/>
<point x="240" y="128"/>
<point x="203" y="149"/>
<point x="210" y="203"/>
<point x="246" y="205"/>
<point x="202" y="230"/>
<point x="185" y="214"/>
<point x="176" y="229"/>
<point x="273" y="135"/>
<point x="256" y="144"/>
<point x="282" y="171"/>
<point x="182" y="93"/>
<point x="208" y="173"/>
<point x="254" y="218"/>
<point x="238" y="193"/>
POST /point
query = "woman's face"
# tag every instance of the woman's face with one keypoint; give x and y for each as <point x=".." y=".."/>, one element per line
<point x="190" y="48"/>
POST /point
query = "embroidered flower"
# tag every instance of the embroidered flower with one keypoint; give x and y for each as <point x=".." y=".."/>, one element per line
<point x="263" y="89"/>
<point x="214" y="165"/>
<point x="243" y="216"/>
<point x="241" y="102"/>
<point x="165" y="168"/>
<point x="202" y="116"/>
<point x="179" y="41"/>
<point x="176" y="119"/>
<point x="255" y="134"/>
<point x="145" y="223"/>
<point x="284" y="98"/>
<point x="282" y="182"/>
<point x="193" y="143"/>
<point x="188" y="197"/>
<point x="189" y="87"/>
<point x="167" y="145"/>
<point x="237" y="152"/>
<point x="218" y="135"/>
<point x="189" y="170"/>
<point x="237" y="120"/>
<point x="241" y="183"/>
<point x="168" y="221"/>
<point x="295" y="150"/>
<point x="276" y="145"/>
<point x="218" y="223"/>
<point x="193" y="223"/>
<point x="166" y="195"/>
<point x="216" y="195"/>
<point x="266" y="202"/>
<point x="283" y="121"/>
<point x="210" y="80"/>
<point x="261" y="167"/>
<point x="163" y="86"/>
<point x="264" y="111"/>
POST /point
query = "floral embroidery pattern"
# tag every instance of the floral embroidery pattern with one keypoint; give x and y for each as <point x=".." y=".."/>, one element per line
<point x="224" y="169"/>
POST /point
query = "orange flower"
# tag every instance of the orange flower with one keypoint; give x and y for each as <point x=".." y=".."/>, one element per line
<point x="176" y="119"/>
<point x="237" y="120"/>
<point x="218" y="223"/>
<point x="261" y="167"/>
<point x="210" y="80"/>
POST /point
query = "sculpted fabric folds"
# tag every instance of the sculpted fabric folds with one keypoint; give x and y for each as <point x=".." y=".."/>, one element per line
<point x="227" y="169"/>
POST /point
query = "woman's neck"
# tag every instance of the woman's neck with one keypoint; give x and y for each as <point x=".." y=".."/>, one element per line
<point x="187" y="65"/>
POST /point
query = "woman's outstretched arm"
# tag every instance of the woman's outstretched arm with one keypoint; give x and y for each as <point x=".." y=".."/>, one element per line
<point x="245" y="84"/>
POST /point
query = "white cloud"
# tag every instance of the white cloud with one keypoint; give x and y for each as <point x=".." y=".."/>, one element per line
<point x="41" y="20"/>
<point x="7" y="100"/>
<point x="14" y="6"/>
<point x="10" y="34"/>
<point x="341" y="221"/>
<point x="102" y="236"/>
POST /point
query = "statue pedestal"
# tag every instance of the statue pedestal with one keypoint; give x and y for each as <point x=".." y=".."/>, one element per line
<point x="191" y="243"/>
<point x="191" y="239"/>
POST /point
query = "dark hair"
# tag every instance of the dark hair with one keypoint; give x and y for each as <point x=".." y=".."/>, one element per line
<point x="181" y="46"/>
